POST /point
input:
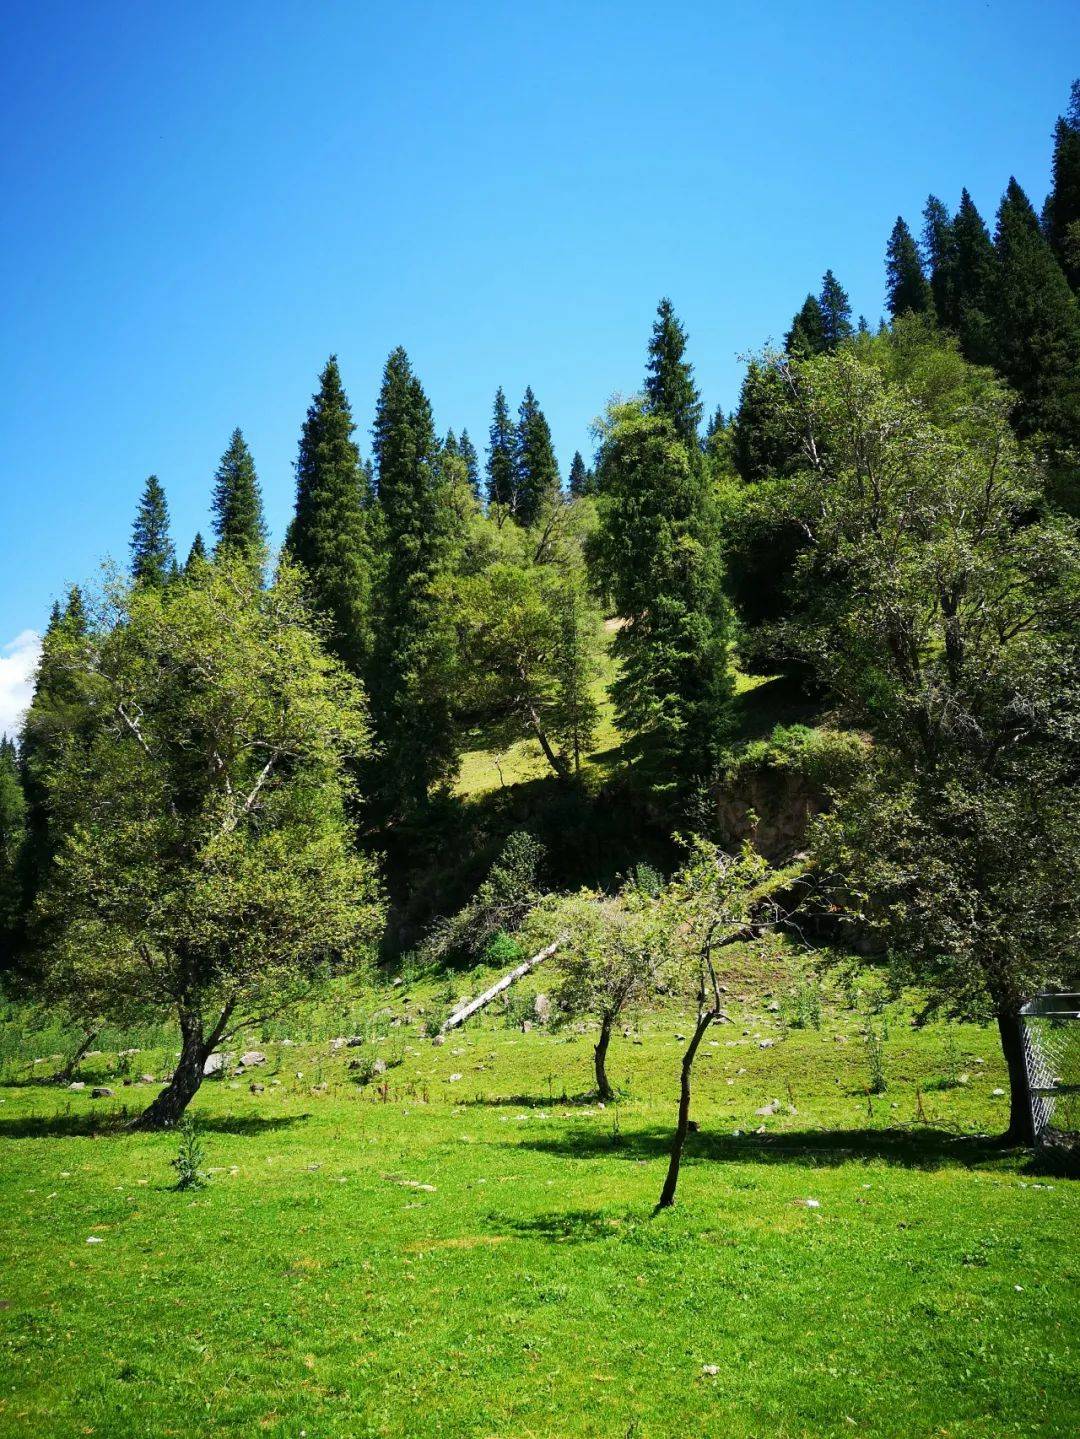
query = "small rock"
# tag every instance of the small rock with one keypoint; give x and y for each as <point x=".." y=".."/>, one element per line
<point x="438" y="1039"/>
<point x="147" y="1079"/>
<point x="526" y="1025"/>
<point x="680" y="1036"/>
<point x="215" y="1064"/>
<point x="773" y="1007"/>
<point x="772" y="1107"/>
<point x="807" y="1203"/>
<point x="542" y="1009"/>
<point x="997" y="1093"/>
<point x="453" y="1079"/>
<point x="77" y="1084"/>
<point x="101" y="1091"/>
<point x="252" y="1057"/>
<point x="710" y="1369"/>
<point x="766" y="1043"/>
<point x="257" y="1088"/>
<point x="379" y="1067"/>
<point x="95" y="1239"/>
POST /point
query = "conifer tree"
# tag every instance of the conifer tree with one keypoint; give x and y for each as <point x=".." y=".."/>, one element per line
<point x="153" y="558"/>
<point x="806" y="337"/>
<point x="328" y="535"/>
<point x="502" y="446"/>
<point x="1062" y="212"/>
<point x="12" y="838"/>
<point x="578" y="479"/>
<point x="669" y="384"/>
<point x="908" y="291"/>
<point x="237" y="504"/>
<point x="974" y="279"/>
<point x="763" y="445"/>
<point x="196" y="555"/>
<point x="467" y="451"/>
<point x="536" y="472"/>
<point x="835" y="310"/>
<point x="411" y="672"/>
<point x="1036" y="324"/>
<point x="939" y="260"/>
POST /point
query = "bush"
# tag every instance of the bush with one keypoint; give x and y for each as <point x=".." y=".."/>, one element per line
<point x="190" y="1157"/>
<point x="496" y="909"/>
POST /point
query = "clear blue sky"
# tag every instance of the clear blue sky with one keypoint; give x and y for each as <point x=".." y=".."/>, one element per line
<point x="203" y="200"/>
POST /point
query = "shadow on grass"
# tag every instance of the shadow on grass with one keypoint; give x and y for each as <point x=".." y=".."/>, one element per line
<point x="527" y="1101"/>
<point x="119" y="1122"/>
<point x="914" y="1148"/>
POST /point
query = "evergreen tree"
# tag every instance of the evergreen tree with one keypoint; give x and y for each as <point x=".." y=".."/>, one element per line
<point x="502" y="447"/>
<point x="579" y="477"/>
<point x="1062" y="212"/>
<point x="939" y="260"/>
<point x="974" y="279"/>
<point x="1036" y="325"/>
<point x="657" y="554"/>
<point x="328" y="536"/>
<point x="669" y="383"/>
<point x="411" y="672"/>
<point x="196" y="555"/>
<point x="237" y="504"/>
<point x="12" y="837"/>
<point x="153" y="558"/>
<point x="908" y="291"/>
<point x="835" y="310"/>
<point x="536" y="472"/>
<point x="764" y="444"/>
<point x="467" y="451"/>
<point x="806" y="337"/>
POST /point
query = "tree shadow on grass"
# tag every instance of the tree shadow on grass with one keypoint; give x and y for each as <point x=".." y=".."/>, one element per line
<point x="119" y="1122"/>
<point x="909" y="1148"/>
<point x="528" y="1101"/>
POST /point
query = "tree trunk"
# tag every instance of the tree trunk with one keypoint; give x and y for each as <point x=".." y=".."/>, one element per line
<point x="170" y="1104"/>
<point x="600" y="1049"/>
<point x="66" y="1074"/>
<point x="466" y="1011"/>
<point x="1020" y="1130"/>
<point x="667" y="1197"/>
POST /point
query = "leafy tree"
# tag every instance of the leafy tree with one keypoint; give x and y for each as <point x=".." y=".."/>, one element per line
<point x="908" y="290"/>
<point x="153" y="558"/>
<point x="502" y="450"/>
<point x="12" y="838"/>
<point x="196" y="555"/>
<point x="807" y="334"/>
<point x="536" y="472"/>
<point x="580" y="481"/>
<point x="656" y="553"/>
<point x="610" y="961"/>
<point x="1062" y="212"/>
<point x="207" y="867"/>
<point x="669" y="383"/>
<point x="237" y="504"/>
<point x="1036" y="325"/>
<point x="329" y="534"/>
<point x="412" y="668"/>
<point x="467" y="451"/>
<point x="942" y="617"/>
<point x="835" y="311"/>
<point x="501" y="902"/>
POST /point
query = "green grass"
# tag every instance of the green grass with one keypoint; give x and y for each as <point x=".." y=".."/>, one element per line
<point x="477" y="1256"/>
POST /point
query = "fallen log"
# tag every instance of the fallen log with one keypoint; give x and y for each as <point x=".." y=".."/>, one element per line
<point x="526" y="966"/>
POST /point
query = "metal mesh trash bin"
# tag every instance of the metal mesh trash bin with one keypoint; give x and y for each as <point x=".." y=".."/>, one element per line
<point x="1051" y="1026"/>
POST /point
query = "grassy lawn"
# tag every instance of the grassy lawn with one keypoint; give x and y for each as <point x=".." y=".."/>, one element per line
<point x="465" y="1246"/>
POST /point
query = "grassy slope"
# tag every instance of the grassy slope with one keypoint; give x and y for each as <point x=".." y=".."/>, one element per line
<point x="312" y="1289"/>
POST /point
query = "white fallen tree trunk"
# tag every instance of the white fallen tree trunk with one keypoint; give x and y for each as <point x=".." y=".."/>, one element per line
<point x="526" y="966"/>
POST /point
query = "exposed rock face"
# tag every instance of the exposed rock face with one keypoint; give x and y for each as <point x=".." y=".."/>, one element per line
<point x="771" y="807"/>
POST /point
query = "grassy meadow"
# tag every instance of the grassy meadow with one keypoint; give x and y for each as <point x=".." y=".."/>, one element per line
<point x="463" y="1245"/>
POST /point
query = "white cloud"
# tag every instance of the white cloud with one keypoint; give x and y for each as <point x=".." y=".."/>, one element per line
<point x="18" y="662"/>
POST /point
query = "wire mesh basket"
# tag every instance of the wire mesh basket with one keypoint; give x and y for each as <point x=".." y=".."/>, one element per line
<point x="1051" y="1024"/>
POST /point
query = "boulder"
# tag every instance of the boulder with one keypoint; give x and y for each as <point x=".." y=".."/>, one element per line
<point x="215" y="1064"/>
<point x="542" y="1009"/>
<point x="252" y="1057"/>
<point x="77" y="1084"/>
<point x="101" y="1091"/>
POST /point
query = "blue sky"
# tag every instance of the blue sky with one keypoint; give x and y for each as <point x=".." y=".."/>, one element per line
<point x="202" y="201"/>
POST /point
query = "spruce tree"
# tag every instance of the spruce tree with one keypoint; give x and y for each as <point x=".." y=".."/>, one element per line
<point x="536" y="472"/>
<point x="939" y="260"/>
<point x="578" y="479"/>
<point x="806" y="337"/>
<point x="835" y="310"/>
<point x="196" y="555"/>
<point x="502" y="447"/>
<point x="974" y="279"/>
<point x="328" y="535"/>
<point x="669" y="384"/>
<point x="908" y="290"/>
<point x="12" y="839"/>
<point x="1036" y="325"/>
<point x="237" y="504"/>
<point x="467" y="451"/>
<point x="764" y="444"/>
<point x="411" y="674"/>
<point x="1062" y="211"/>
<point x="153" y="558"/>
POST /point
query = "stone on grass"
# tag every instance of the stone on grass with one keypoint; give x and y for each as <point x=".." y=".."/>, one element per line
<point x="766" y="1043"/>
<point x="807" y="1203"/>
<point x="542" y="1009"/>
<point x="147" y="1079"/>
<point x="772" y="1107"/>
<point x="454" y="1079"/>
<point x="215" y="1064"/>
<point x="252" y="1057"/>
<point x="101" y="1091"/>
<point x="256" y="1088"/>
<point x="996" y="1093"/>
<point x="77" y="1084"/>
<point x="379" y="1067"/>
<point x="710" y="1369"/>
